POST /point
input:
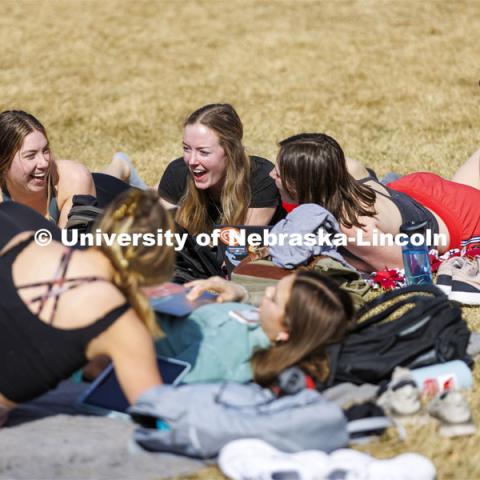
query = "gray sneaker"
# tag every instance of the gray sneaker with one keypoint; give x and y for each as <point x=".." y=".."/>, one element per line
<point x="402" y="396"/>
<point x="466" y="284"/>
<point x="452" y="410"/>
<point x="446" y="270"/>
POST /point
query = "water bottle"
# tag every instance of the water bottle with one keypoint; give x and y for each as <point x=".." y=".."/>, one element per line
<point x="442" y="377"/>
<point x="415" y="254"/>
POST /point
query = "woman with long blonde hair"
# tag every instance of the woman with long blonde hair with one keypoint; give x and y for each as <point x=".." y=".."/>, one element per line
<point x="216" y="182"/>
<point x="61" y="307"/>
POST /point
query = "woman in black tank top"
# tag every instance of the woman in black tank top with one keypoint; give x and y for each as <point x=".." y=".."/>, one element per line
<point x="311" y="168"/>
<point x="60" y="308"/>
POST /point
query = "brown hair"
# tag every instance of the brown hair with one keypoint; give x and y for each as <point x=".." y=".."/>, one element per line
<point x="313" y="169"/>
<point x="318" y="313"/>
<point x="15" y="125"/>
<point x="136" y="266"/>
<point x="236" y="194"/>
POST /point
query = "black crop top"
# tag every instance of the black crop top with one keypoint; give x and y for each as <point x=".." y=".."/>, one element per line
<point x="35" y="356"/>
<point x="410" y="209"/>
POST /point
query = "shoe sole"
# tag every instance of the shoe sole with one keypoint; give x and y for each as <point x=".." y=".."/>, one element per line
<point x="465" y="293"/>
<point x="446" y="289"/>
<point x="466" y="298"/>
<point x="458" y="430"/>
<point x="444" y="283"/>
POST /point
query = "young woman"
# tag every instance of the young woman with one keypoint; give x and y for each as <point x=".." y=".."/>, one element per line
<point x="299" y="318"/>
<point x="311" y="168"/>
<point x="60" y="308"/>
<point x="29" y="173"/>
<point x="216" y="182"/>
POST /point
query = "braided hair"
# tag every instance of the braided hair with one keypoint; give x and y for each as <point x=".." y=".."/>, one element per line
<point x="136" y="213"/>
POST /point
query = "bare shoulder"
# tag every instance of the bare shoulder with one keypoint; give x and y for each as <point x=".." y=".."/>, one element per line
<point x="74" y="178"/>
<point x="123" y="337"/>
<point x="71" y="170"/>
<point x="356" y="169"/>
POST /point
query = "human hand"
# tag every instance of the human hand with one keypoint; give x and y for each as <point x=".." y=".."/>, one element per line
<point x="227" y="291"/>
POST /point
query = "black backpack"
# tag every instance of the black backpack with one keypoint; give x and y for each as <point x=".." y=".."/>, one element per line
<point x="431" y="331"/>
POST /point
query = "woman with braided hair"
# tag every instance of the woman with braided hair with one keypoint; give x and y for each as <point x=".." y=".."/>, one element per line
<point x="60" y="307"/>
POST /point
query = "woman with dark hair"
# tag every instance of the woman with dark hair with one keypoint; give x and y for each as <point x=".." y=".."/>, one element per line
<point x="312" y="168"/>
<point x="30" y="175"/>
<point x="298" y="318"/>
<point x="60" y="307"/>
<point x="216" y="182"/>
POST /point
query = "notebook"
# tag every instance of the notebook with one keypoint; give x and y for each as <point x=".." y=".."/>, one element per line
<point x="171" y="298"/>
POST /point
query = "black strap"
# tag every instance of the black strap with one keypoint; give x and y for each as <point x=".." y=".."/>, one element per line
<point x="116" y="312"/>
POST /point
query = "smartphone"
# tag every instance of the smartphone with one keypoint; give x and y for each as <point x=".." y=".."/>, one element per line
<point x="249" y="316"/>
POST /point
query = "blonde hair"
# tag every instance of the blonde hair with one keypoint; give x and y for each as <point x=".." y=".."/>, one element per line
<point x="15" y="125"/>
<point x="136" y="266"/>
<point x="236" y="193"/>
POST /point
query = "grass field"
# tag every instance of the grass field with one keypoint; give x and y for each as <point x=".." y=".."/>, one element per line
<point x="396" y="83"/>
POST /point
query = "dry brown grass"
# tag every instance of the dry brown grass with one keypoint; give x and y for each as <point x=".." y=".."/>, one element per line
<point x="395" y="82"/>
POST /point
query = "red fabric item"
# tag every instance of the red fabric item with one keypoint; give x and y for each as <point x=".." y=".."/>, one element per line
<point x="435" y="262"/>
<point x="309" y="382"/>
<point x="456" y="204"/>
<point x="289" y="206"/>
<point x="388" y="278"/>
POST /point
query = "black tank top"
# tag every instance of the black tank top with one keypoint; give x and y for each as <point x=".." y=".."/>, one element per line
<point x="410" y="209"/>
<point x="35" y="356"/>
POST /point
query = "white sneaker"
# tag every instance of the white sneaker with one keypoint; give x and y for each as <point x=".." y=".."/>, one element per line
<point x="349" y="464"/>
<point x="253" y="459"/>
<point x="452" y="410"/>
<point x="402" y="396"/>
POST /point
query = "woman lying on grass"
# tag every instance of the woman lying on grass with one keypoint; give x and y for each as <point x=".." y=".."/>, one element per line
<point x="60" y="308"/>
<point x="311" y="168"/>
<point x="29" y="173"/>
<point x="298" y="319"/>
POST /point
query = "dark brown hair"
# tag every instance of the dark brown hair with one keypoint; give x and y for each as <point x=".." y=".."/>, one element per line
<point x="313" y="169"/>
<point x="318" y="313"/>
<point x="236" y="194"/>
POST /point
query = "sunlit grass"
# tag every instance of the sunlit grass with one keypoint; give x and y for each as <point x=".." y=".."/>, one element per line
<point x="396" y="83"/>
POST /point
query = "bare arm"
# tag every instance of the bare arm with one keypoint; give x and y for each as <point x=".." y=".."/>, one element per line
<point x="168" y="205"/>
<point x="259" y="216"/>
<point x="366" y="244"/>
<point x="74" y="179"/>
<point x="130" y="346"/>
